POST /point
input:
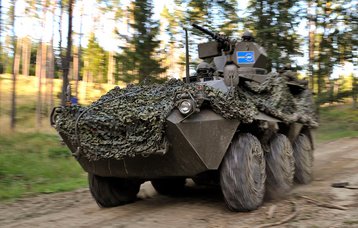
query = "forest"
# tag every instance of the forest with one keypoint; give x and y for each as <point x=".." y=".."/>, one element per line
<point x="95" y="44"/>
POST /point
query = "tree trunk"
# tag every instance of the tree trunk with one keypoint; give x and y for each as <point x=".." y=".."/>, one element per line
<point x="26" y="55"/>
<point x="312" y="19"/>
<point x="39" y="85"/>
<point x="44" y="70"/>
<point x="1" y="62"/>
<point x="110" y="76"/>
<point x="15" y="71"/>
<point x="19" y="45"/>
<point x="51" y="73"/>
<point x="51" y="59"/>
<point x="60" y="34"/>
<point x="354" y="91"/>
<point x="68" y="54"/>
<point x="76" y="64"/>
<point x="79" y="52"/>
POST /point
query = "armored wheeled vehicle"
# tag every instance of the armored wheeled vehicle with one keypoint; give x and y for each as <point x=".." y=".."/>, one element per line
<point x="232" y="124"/>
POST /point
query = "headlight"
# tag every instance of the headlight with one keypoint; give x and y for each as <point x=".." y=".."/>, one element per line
<point x="186" y="107"/>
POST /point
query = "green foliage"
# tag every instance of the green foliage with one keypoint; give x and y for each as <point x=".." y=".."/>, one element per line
<point x="337" y="122"/>
<point x="59" y="152"/>
<point x="273" y="24"/>
<point x="330" y="97"/>
<point x="218" y="16"/>
<point x="95" y="59"/>
<point x="332" y="44"/>
<point x="32" y="163"/>
<point x="138" y="60"/>
<point x="340" y="89"/>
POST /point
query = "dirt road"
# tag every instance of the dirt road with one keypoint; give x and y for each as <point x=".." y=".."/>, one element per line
<point x="203" y="207"/>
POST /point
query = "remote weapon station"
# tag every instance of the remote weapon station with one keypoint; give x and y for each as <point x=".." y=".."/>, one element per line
<point x="231" y="124"/>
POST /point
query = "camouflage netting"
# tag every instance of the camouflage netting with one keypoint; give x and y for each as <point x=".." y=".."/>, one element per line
<point x="274" y="98"/>
<point x="130" y="122"/>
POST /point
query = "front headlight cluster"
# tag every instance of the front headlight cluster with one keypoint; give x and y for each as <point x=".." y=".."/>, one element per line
<point x="189" y="102"/>
<point x="186" y="106"/>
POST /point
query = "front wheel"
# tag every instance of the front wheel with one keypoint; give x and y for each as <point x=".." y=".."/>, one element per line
<point x="303" y="154"/>
<point x="280" y="167"/>
<point x="242" y="174"/>
<point x="112" y="191"/>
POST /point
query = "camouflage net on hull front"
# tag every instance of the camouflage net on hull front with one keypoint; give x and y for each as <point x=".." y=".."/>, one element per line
<point x="131" y="122"/>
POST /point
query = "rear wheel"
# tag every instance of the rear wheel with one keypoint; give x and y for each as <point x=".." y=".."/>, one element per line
<point x="242" y="174"/>
<point x="112" y="191"/>
<point x="280" y="167"/>
<point x="170" y="186"/>
<point x="303" y="154"/>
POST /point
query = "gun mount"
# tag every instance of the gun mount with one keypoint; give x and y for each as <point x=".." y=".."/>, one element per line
<point x="244" y="54"/>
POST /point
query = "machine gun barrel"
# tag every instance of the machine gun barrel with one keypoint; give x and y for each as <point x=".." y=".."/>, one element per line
<point x="223" y="40"/>
<point x="204" y="30"/>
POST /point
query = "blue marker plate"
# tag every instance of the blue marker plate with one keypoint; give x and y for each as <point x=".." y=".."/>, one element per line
<point x="245" y="57"/>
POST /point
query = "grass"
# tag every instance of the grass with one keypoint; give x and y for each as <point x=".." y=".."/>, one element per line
<point x="32" y="163"/>
<point x="351" y="222"/>
<point x="337" y="122"/>
<point x="32" y="160"/>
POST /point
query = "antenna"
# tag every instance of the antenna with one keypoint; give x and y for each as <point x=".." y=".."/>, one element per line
<point x="186" y="56"/>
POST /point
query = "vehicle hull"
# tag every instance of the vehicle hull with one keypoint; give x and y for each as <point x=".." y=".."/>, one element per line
<point x="196" y="144"/>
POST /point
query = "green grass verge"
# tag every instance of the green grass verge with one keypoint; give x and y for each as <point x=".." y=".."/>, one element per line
<point x="337" y="122"/>
<point x="32" y="163"/>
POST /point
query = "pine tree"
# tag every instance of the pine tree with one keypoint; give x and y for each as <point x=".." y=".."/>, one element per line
<point x="217" y="16"/>
<point x="273" y="24"/>
<point x="334" y="42"/>
<point x="173" y="46"/>
<point x="139" y="56"/>
<point x="96" y="61"/>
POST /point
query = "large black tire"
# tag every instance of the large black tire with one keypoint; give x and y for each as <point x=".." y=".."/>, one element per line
<point x="169" y="186"/>
<point x="242" y="174"/>
<point x="280" y="167"/>
<point x="303" y="154"/>
<point x="112" y="191"/>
